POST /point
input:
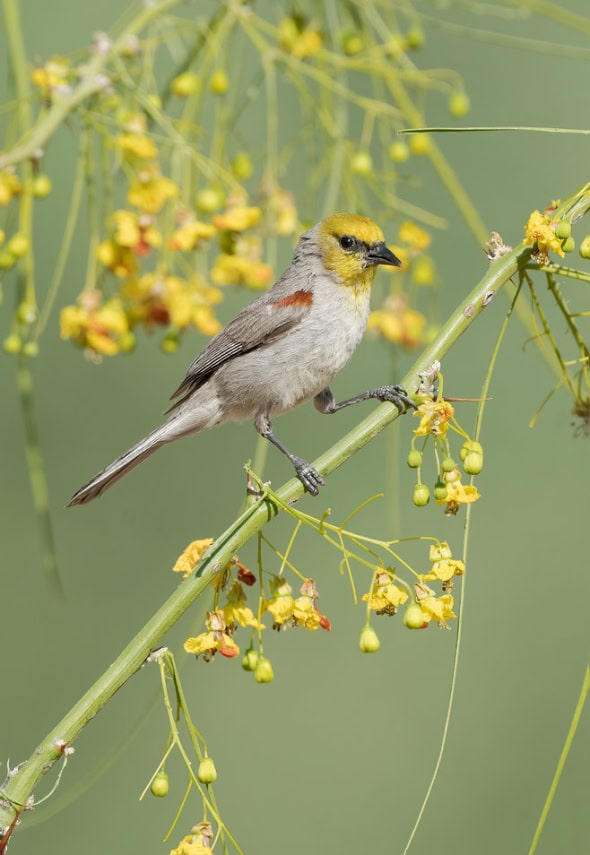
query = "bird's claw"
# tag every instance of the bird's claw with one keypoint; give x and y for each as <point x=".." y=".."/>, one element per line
<point x="311" y="480"/>
<point x="398" y="396"/>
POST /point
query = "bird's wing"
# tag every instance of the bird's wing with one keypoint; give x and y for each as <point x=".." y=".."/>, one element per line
<point x="259" y="324"/>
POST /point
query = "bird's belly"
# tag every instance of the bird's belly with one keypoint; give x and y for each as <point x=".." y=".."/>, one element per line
<point x="277" y="377"/>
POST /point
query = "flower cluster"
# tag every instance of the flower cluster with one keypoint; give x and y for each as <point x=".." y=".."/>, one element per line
<point x="540" y="231"/>
<point x="299" y="38"/>
<point x="437" y="416"/>
<point x="385" y="596"/>
<point x="289" y="611"/>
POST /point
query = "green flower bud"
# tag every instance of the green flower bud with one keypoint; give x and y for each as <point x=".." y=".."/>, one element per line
<point x="361" y="163"/>
<point x="399" y="151"/>
<point x="31" y="349"/>
<point x="41" y="185"/>
<point x="414" y="38"/>
<point x="7" y="259"/>
<point x="12" y="344"/>
<point x="414" y="617"/>
<point x="459" y="104"/>
<point x="263" y="672"/>
<point x="219" y="83"/>
<point x="210" y="199"/>
<point x="473" y="463"/>
<point x="207" y="773"/>
<point x="160" y="785"/>
<point x="421" y="495"/>
<point x="419" y="144"/>
<point x="352" y="43"/>
<point x="448" y="464"/>
<point x="185" y="84"/>
<point x="568" y="245"/>
<point x="414" y="458"/>
<point x="469" y="445"/>
<point x="440" y="491"/>
<point x="369" y="640"/>
<point x="250" y="659"/>
<point x="242" y="166"/>
<point x="563" y="230"/>
<point x="17" y="245"/>
<point x="471" y="455"/>
<point x="585" y="247"/>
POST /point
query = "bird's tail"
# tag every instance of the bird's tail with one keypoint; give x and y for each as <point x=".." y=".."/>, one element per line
<point x="119" y="467"/>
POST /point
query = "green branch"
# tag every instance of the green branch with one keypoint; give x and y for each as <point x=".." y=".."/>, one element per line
<point x="21" y="784"/>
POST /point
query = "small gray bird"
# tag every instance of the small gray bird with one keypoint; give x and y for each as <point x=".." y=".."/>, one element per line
<point x="284" y="348"/>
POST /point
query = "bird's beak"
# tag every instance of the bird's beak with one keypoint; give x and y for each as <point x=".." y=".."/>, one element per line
<point x="380" y="254"/>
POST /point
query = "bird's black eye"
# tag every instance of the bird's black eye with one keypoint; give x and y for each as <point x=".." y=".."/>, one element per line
<point x="347" y="242"/>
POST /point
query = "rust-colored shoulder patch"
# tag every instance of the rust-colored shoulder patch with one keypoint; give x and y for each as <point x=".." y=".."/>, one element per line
<point x="297" y="298"/>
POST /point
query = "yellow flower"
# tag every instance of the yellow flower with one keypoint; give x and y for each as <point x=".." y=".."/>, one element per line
<point x="398" y="323"/>
<point x="281" y="603"/>
<point x="187" y="236"/>
<point x="457" y="494"/>
<point x="385" y="597"/>
<point x="439" y="551"/>
<point x="413" y="235"/>
<point x="207" y="644"/>
<point x="135" y="231"/>
<point x="237" y="270"/>
<point x="191" y="556"/>
<point x="297" y="41"/>
<point x="162" y="300"/>
<point x="10" y="186"/>
<point x="197" y="842"/>
<point x="235" y="611"/>
<point x="444" y="570"/>
<point x="539" y="231"/>
<point x="100" y="327"/>
<point x="237" y="219"/>
<point x="119" y="259"/>
<point x="435" y="416"/>
<point x="53" y="75"/>
<point x="433" y="608"/>
<point x="288" y="611"/>
<point x="150" y="191"/>
<point x="305" y="613"/>
<point x="138" y="146"/>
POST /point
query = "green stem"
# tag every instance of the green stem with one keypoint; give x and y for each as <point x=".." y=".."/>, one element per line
<point x="562" y="760"/>
<point x="249" y="523"/>
<point x="37" y="473"/>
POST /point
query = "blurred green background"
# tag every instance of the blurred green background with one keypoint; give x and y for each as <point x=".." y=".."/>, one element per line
<point x="335" y="754"/>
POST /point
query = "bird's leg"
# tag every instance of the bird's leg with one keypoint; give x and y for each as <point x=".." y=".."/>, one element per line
<point x="310" y="479"/>
<point x="325" y="402"/>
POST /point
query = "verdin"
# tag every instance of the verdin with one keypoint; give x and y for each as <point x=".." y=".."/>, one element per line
<point x="284" y="348"/>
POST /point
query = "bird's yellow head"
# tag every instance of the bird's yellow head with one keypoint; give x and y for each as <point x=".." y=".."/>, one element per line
<point x="352" y="246"/>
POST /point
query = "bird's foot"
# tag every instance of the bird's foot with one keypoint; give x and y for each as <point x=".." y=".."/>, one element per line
<point x="396" y="395"/>
<point x="308" y="476"/>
